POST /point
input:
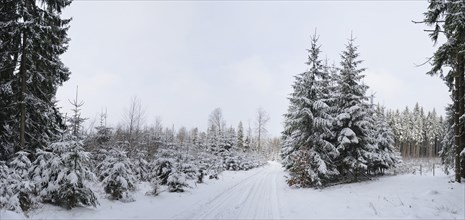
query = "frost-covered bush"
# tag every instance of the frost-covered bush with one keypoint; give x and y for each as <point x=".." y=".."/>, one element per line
<point x="62" y="174"/>
<point x="21" y="184"/>
<point x="155" y="187"/>
<point x="7" y="199"/>
<point x="164" y="164"/>
<point x="231" y="162"/>
<point x="116" y="175"/>
<point x="209" y="164"/>
<point x="200" y="176"/>
<point x="141" y="166"/>
<point x="176" y="181"/>
<point x="190" y="169"/>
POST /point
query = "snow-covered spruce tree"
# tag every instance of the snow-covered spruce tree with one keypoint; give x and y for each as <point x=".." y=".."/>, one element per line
<point x="448" y="19"/>
<point x="8" y="106"/>
<point x="216" y="150"/>
<point x="170" y="168"/>
<point x="76" y="163"/>
<point x="116" y="175"/>
<point x="353" y="125"/>
<point x="176" y="180"/>
<point x="141" y="166"/>
<point x="447" y="152"/>
<point x="155" y="187"/>
<point x="8" y="200"/>
<point x="240" y="137"/>
<point x="188" y="166"/>
<point x="62" y="174"/>
<point x="32" y="39"/>
<point x="21" y="185"/>
<point x="386" y="156"/>
<point x="307" y="151"/>
<point x="164" y="163"/>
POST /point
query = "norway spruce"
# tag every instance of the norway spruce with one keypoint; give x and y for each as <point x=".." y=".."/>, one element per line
<point x="33" y="36"/>
<point x="353" y="124"/>
<point x="116" y="175"/>
<point x="307" y="151"/>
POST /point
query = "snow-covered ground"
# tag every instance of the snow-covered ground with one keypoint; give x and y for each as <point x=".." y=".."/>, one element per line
<point x="262" y="193"/>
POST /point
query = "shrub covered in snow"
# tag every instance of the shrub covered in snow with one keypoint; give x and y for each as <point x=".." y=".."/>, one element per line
<point x="176" y="181"/>
<point x="8" y="200"/>
<point x="21" y="184"/>
<point x="62" y="173"/>
<point x="164" y="164"/>
<point x="141" y="166"/>
<point x="155" y="187"/>
<point x="116" y="175"/>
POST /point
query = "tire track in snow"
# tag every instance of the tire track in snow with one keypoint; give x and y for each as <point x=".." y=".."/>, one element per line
<point x="253" y="197"/>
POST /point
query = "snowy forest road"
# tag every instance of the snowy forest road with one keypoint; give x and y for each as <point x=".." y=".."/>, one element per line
<point x="255" y="196"/>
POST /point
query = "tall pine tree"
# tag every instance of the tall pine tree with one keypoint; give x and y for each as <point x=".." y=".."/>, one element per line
<point x="448" y="19"/>
<point x="353" y="124"/>
<point x="32" y="38"/>
<point x="307" y="152"/>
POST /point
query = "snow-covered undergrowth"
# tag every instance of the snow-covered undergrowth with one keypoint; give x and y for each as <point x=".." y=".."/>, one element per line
<point x="263" y="193"/>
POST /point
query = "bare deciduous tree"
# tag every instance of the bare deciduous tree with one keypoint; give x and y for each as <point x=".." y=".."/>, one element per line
<point x="134" y="120"/>
<point x="260" y="126"/>
<point x="216" y="120"/>
<point x="182" y="135"/>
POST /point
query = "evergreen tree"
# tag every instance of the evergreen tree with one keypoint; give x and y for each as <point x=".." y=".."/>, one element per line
<point x="240" y="137"/>
<point x="448" y="19"/>
<point x="176" y="181"/>
<point x="247" y="144"/>
<point x="386" y="156"/>
<point x="62" y="174"/>
<point x="116" y="175"/>
<point x="76" y="190"/>
<point x="32" y="39"/>
<point x="447" y="153"/>
<point x="141" y="166"/>
<point x="8" y="200"/>
<point x="8" y="195"/>
<point x="307" y="151"/>
<point x="21" y="185"/>
<point x="103" y="134"/>
<point x="353" y="124"/>
<point x="164" y="164"/>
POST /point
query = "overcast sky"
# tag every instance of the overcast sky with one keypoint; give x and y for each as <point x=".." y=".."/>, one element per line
<point x="183" y="59"/>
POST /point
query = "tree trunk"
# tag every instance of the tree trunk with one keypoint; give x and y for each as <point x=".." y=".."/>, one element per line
<point x="458" y="106"/>
<point x="22" y="99"/>
<point x="461" y="102"/>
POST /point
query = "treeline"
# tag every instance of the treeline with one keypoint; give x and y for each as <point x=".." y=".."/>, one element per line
<point x="417" y="133"/>
<point x="332" y="134"/>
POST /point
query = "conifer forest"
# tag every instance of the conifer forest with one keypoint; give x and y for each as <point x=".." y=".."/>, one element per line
<point x="332" y="146"/>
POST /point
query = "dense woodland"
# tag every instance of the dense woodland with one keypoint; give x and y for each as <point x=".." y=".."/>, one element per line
<point x="332" y="133"/>
<point x="417" y="133"/>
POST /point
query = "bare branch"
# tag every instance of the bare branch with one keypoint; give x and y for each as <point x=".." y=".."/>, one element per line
<point x="427" y="61"/>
